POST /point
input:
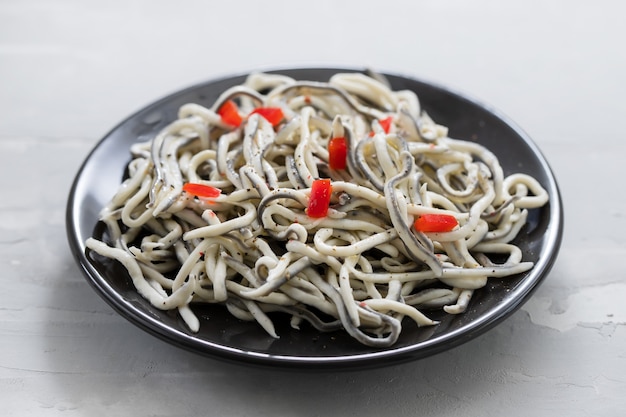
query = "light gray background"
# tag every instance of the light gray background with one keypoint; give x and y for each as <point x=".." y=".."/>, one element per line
<point x="70" y="71"/>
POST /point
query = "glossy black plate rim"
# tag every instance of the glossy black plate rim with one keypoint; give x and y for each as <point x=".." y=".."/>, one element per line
<point x="144" y="320"/>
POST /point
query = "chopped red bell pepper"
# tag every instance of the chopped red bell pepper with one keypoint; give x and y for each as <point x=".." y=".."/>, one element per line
<point x="435" y="223"/>
<point x="230" y="114"/>
<point x="337" y="153"/>
<point x="274" y="115"/>
<point x="319" y="200"/>
<point x="385" y="124"/>
<point x="201" y="190"/>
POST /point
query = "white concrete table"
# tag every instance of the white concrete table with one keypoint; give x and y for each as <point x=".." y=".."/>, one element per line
<point x="70" y="71"/>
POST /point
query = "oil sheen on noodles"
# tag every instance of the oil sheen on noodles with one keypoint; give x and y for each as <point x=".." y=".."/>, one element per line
<point x="363" y="266"/>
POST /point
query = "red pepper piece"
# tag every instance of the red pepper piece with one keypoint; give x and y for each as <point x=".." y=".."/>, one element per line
<point x="230" y="114"/>
<point x="435" y="223"/>
<point x="274" y="115"/>
<point x="385" y="124"/>
<point x="319" y="199"/>
<point x="201" y="190"/>
<point x="337" y="153"/>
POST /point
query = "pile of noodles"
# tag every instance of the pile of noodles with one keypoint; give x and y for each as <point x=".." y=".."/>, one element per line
<point x="363" y="267"/>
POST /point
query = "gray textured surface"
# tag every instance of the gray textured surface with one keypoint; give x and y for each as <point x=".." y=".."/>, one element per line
<point x="69" y="71"/>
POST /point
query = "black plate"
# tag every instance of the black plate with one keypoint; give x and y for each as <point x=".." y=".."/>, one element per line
<point x="223" y="336"/>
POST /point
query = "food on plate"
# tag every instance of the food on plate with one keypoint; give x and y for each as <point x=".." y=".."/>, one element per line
<point x="339" y="204"/>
